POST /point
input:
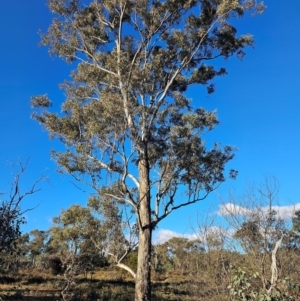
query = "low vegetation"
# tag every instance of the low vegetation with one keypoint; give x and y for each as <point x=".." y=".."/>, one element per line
<point x="255" y="260"/>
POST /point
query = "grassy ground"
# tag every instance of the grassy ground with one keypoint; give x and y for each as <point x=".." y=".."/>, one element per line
<point x="104" y="285"/>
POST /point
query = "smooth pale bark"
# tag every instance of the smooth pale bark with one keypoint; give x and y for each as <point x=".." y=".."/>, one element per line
<point x="126" y="268"/>
<point x="274" y="269"/>
<point x="143" y="275"/>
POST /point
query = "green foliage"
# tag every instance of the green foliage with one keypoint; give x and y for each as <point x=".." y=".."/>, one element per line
<point x="12" y="217"/>
<point x="131" y="260"/>
<point x="11" y="262"/>
<point x="135" y="62"/>
<point x="176" y="254"/>
<point x="250" y="236"/>
<point x="292" y="238"/>
<point x="10" y="222"/>
<point x="74" y="232"/>
<point x="243" y="288"/>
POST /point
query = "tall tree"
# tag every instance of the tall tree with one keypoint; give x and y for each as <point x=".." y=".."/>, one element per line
<point x="127" y="121"/>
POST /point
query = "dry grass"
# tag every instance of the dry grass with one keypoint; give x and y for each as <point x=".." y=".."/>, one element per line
<point x="107" y="284"/>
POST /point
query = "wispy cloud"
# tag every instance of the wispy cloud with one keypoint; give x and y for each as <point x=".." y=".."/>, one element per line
<point x="164" y="235"/>
<point x="233" y="209"/>
<point x="284" y="212"/>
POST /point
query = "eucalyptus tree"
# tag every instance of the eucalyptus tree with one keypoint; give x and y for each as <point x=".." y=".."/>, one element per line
<point x="78" y="233"/>
<point x="180" y="253"/>
<point x="37" y="247"/>
<point x="70" y="232"/>
<point x="126" y="120"/>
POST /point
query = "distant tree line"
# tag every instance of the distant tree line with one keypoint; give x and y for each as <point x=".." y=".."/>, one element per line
<point x="254" y="258"/>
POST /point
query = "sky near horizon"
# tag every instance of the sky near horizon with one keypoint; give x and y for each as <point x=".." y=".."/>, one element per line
<point x="258" y="105"/>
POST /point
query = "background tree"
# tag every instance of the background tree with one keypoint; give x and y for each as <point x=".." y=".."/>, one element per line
<point x="37" y="248"/>
<point x="11" y="262"/>
<point x="68" y="237"/>
<point x="126" y="116"/>
<point x="119" y="234"/>
<point x="178" y="253"/>
<point x="292" y="239"/>
<point x="259" y="231"/>
<point x="250" y="237"/>
<point x="11" y="214"/>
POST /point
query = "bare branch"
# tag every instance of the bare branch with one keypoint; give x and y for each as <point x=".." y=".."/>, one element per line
<point x="11" y="215"/>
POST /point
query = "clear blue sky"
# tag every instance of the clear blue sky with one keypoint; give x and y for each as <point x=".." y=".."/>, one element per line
<point x="258" y="104"/>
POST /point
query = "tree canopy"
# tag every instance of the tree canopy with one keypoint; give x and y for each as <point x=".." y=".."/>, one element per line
<point x="127" y="122"/>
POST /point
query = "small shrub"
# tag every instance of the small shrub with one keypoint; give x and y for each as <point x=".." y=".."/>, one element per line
<point x="56" y="266"/>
